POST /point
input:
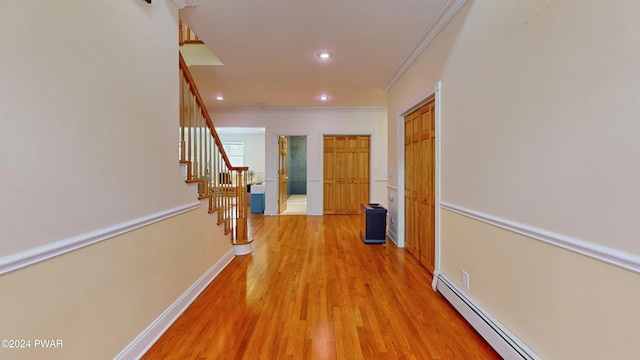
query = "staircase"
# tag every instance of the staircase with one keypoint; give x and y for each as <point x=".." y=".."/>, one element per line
<point x="206" y="168"/>
<point x="186" y="36"/>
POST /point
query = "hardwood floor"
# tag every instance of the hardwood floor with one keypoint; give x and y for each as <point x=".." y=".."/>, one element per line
<point x="313" y="290"/>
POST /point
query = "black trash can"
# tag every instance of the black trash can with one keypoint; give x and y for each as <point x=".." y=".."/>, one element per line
<point x="373" y="224"/>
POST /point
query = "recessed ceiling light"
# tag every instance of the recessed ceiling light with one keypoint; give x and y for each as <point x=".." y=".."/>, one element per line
<point x="219" y="98"/>
<point x="324" y="56"/>
<point x="323" y="97"/>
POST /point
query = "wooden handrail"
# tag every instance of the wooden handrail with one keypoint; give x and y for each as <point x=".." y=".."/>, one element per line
<point x="186" y="35"/>
<point x="205" y="114"/>
<point x="207" y="162"/>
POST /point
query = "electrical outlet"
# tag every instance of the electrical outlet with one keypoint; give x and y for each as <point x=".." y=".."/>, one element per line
<point x="465" y="279"/>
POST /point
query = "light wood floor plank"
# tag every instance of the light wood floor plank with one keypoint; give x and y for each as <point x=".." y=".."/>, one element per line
<point x="312" y="290"/>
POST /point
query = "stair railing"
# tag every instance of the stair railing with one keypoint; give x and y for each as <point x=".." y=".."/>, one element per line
<point x="186" y="36"/>
<point x="207" y="163"/>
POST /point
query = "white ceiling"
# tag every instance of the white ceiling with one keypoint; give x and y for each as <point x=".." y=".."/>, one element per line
<point x="269" y="49"/>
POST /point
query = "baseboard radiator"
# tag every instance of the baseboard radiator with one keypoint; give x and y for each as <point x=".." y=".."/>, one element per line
<point x="500" y="338"/>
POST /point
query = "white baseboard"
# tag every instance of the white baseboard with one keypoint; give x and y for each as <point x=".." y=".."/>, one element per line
<point x="393" y="236"/>
<point x="315" y="212"/>
<point x="503" y="341"/>
<point x="242" y="249"/>
<point x="143" y="342"/>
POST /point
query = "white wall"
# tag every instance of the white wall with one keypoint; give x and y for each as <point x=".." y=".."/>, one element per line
<point x="539" y="132"/>
<point x="65" y="106"/>
<point x="314" y="124"/>
<point x="89" y="112"/>
<point x="254" y="156"/>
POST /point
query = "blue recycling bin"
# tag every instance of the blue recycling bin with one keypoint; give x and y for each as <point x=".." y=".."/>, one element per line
<point x="257" y="199"/>
<point x="257" y="203"/>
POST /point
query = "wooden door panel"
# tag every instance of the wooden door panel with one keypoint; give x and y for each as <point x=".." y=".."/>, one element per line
<point x="419" y="184"/>
<point x="353" y="198"/>
<point x="329" y="144"/>
<point x="329" y="205"/>
<point x="341" y="180"/>
<point x="282" y="174"/>
<point x="425" y="237"/>
<point x="411" y="239"/>
<point x="340" y="166"/>
<point x="408" y="176"/>
<point x="428" y="256"/>
<point x="346" y="173"/>
<point x="340" y="197"/>
<point x="329" y="198"/>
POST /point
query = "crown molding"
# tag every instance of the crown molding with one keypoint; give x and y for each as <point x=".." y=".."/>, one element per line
<point x="443" y="16"/>
<point x="181" y="4"/>
<point x="299" y="109"/>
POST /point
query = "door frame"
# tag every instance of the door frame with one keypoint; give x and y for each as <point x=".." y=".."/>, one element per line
<point x="275" y="136"/>
<point x="422" y="99"/>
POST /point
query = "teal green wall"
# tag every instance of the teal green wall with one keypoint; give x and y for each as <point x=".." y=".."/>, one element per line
<point x="297" y="164"/>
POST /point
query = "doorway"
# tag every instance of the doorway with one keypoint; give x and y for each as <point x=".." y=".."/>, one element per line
<point x="293" y="185"/>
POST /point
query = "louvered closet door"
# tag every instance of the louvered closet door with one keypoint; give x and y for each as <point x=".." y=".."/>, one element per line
<point x="346" y="173"/>
<point x="420" y="184"/>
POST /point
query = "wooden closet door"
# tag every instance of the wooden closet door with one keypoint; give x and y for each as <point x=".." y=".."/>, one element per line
<point x="427" y="189"/>
<point x="412" y="173"/>
<point x="346" y="173"/>
<point x="330" y="189"/>
<point x="282" y="174"/>
<point x="357" y="173"/>
<point x="363" y="168"/>
<point x="420" y="185"/>
<point x="340" y="168"/>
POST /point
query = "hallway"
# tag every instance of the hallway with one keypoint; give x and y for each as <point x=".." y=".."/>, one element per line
<point x="312" y="290"/>
<point x="296" y="205"/>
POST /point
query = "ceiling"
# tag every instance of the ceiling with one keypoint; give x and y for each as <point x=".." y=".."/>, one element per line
<point x="270" y="49"/>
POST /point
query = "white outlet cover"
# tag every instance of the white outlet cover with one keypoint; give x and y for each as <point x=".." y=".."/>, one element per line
<point x="465" y="279"/>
